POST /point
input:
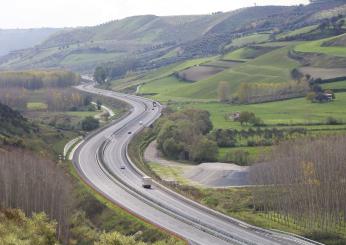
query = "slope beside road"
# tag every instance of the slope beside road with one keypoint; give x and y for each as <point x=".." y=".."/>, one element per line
<point x="98" y="161"/>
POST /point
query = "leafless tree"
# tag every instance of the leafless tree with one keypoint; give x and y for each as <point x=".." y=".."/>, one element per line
<point x="304" y="183"/>
<point x="35" y="184"/>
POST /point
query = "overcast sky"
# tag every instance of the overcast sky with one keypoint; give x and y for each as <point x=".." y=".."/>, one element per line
<point x="71" y="13"/>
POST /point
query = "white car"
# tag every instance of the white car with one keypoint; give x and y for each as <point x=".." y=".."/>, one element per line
<point x="141" y="123"/>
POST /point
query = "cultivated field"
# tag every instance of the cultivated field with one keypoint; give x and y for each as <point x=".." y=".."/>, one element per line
<point x="251" y="39"/>
<point x="296" y="32"/>
<point x="223" y="63"/>
<point x="198" y="73"/>
<point x="247" y="53"/>
<point x="295" y="111"/>
<point x="324" y="73"/>
<point x="317" y="47"/>
<point x="335" y="85"/>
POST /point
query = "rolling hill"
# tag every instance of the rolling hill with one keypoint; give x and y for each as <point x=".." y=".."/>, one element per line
<point x="147" y="42"/>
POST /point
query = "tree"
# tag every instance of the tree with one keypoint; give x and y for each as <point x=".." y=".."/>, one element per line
<point x="87" y="100"/>
<point x="223" y="91"/>
<point x="90" y="123"/>
<point x="100" y="75"/>
<point x="311" y="96"/>
<point x="245" y="117"/>
<point x="204" y="150"/>
<point x="116" y="238"/>
<point x="99" y="105"/>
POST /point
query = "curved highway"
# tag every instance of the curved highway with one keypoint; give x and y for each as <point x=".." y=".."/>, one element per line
<point x="99" y="159"/>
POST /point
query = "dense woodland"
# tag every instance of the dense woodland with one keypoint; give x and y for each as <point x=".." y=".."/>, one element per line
<point x="304" y="183"/>
<point x="182" y="135"/>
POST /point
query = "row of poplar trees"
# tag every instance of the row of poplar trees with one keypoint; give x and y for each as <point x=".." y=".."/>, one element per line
<point x="304" y="183"/>
<point x="35" y="185"/>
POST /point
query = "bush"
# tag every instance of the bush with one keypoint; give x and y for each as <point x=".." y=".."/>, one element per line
<point x="90" y="123"/>
<point x="333" y="121"/>
<point x="204" y="150"/>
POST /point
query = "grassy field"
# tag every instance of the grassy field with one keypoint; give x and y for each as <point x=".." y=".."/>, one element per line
<point x="155" y="75"/>
<point x="296" y="32"/>
<point x="335" y="85"/>
<point x="239" y="54"/>
<point x="295" y="111"/>
<point x="251" y="39"/>
<point x="273" y="67"/>
<point x="78" y="59"/>
<point x="317" y="47"/>
<point x="324" y="73"/>
<point x="36" y="106"/>
<point x="198" y="73"/>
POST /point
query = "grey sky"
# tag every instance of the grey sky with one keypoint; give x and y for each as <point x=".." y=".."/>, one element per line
<point x="68" y="13"/>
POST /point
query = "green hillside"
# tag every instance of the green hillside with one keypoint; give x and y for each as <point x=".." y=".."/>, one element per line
<point x="149" y="42"/>
<point x="273" y="67"/>
<point x="320" y="47"/>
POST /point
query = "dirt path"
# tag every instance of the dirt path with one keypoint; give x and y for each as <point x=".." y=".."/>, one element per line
<point x="216" y="175"/>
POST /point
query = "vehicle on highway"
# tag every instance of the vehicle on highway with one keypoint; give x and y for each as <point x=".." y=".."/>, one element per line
<point x="154" y="104"/>
<point x="141" y="123"/>
<point x="147" y="182"/>
<point x="129" y="132"/>
<point x="122" y="166"/>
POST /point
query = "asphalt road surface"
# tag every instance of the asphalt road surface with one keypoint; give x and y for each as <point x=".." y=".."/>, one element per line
<point x="99" y="159"/>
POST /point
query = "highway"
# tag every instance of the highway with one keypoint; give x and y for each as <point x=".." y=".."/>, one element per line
<point x="99" y="159"/>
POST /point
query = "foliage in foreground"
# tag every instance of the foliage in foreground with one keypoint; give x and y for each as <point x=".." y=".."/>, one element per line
<point x="16" y="228"/>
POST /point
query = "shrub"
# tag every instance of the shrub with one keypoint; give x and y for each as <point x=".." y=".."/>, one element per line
<point x="90" y="123"/>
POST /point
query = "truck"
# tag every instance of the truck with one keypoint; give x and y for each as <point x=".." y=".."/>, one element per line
<point x="147" y="182"/>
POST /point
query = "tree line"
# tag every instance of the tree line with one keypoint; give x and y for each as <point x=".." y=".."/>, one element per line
<point x="264" y="92"/>
<point x="303" y="183"/>
<point x="254" y="137"/>
<point x="34" y="80"/>
<point x="56" y="99"/>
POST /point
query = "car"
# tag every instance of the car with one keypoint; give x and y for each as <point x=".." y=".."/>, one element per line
<point x="129" y="132"/>
<point x="122" y="167"/>
<point x="141" y="123"/>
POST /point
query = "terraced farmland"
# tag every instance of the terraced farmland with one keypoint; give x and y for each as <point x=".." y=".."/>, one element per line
<point x="317" y="47"/>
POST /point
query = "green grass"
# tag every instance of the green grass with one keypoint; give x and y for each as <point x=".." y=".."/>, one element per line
<point x="153" y="76"/>
<point x="274" y="67"/>
<point x="238" y="55"/>
<point x="78" y="59"/>
<point x="254" y="152"/>
<point x="295" y="111"/>
<point x="82" y="114"/>
<point x="251" y="39"/>
<point x="316" y="47"/>
<point x="170" y="173"/>
<point x="36" y="106"/>
<point x="296" y="32"/>
<point x="335" y="85"/>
